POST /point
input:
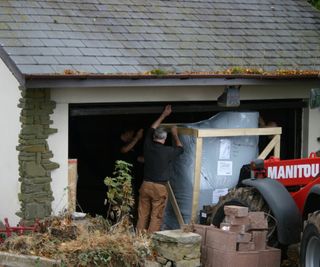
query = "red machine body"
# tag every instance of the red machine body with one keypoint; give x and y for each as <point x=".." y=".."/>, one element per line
<point x="298" y="175"/>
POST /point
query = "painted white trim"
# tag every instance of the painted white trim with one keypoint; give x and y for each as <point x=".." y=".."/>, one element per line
<point x="155" y="94"/>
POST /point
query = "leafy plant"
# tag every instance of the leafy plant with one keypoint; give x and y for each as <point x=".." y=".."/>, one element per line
<point x="95" y="257"/>
<point x="119" y="195"/>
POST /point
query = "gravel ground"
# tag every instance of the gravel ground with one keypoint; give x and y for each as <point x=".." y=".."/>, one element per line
<point x="293" y="257"/>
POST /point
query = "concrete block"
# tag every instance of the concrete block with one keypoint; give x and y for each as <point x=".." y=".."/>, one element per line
<point x="244" y="237"/>
<point x="203" y="257"/>
<point x="234" y="228"/>
<point x="220" y="239"/>
<point x="270" y="257"/>
<point x="202" y="231"/>
<point x="233" y="220"/>
<point x="259" y="239"/>
<point x="231" y="259"/>
<point x="250" y="246"/>
<point x="258" y="221"/>
<point x="236" y="211"/>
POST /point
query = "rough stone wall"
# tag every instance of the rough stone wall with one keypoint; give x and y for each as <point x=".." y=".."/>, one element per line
<point x="35" y="165"/>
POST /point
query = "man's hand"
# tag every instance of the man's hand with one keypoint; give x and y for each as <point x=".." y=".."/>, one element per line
<point x="167" y="110"/>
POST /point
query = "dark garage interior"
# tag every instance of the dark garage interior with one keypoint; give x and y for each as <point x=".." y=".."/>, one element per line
<point x="94" y="134"/>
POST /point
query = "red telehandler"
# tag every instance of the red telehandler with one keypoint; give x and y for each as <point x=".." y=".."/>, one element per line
<point x="288" y="191"/>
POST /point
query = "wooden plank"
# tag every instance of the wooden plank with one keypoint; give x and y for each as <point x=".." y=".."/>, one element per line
<point x="72" y="184"/>
<point x="188" y="131"/>
<point x="274" y="141"/>
<point x="277" y="147"/>
<point x="239" y="132"/>
<point x="175" y="205"/>
<point x="181" y="130"/>
<point x="196" y="182"/>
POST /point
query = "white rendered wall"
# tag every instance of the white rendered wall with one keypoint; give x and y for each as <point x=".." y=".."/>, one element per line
<point x="10" y="128"/>
<point x="59" y="142"/>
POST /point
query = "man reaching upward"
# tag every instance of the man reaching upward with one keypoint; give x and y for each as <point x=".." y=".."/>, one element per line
<point x="157" y="160"/>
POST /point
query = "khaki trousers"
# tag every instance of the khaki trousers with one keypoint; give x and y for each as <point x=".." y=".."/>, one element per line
<point x="152" y="202"/>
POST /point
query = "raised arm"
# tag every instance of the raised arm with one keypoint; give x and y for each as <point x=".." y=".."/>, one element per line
<point x="175" y="137"/>
<point x="166" y="112"/>
<point x="126" y="148"/>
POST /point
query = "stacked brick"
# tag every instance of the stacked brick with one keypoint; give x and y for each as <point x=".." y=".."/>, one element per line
<point x="240" y="241"/>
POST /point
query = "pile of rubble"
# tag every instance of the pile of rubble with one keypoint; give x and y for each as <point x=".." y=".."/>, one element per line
<point x="240" y="241"/>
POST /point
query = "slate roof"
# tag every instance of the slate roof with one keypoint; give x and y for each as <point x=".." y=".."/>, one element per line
<point x="134" y="36"/>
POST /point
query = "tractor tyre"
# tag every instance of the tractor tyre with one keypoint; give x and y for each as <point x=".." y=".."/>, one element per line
<point x="246" y="197"/>
<point x="310" y="243"/>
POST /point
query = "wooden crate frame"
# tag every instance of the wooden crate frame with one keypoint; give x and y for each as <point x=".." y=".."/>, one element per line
<point x="199" y="134"/>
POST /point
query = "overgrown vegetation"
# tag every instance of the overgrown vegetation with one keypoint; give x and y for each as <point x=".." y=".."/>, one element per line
<point x="119" y="196"/>
<point x="110" y="242"/>
<point x="91" y="242"/>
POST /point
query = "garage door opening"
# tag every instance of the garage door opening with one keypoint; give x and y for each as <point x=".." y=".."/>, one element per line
<point x="94" y="136"/>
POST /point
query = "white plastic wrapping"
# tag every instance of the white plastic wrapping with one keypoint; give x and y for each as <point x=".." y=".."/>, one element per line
<point x="222" y="159"/>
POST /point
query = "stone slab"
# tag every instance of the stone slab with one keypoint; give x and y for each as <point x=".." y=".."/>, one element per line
<point x="16" y="260"/>
<point x="177" y="236"/>
<point x="187" y="263"/>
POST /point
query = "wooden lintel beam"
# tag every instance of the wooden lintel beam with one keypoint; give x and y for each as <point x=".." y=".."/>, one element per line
<point x="239" y="132"/>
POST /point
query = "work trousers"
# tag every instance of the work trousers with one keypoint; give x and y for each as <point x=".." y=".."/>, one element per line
<point x="152" y="202"/>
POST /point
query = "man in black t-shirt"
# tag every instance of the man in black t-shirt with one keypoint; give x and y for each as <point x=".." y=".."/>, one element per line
<point x="157" y="160"/>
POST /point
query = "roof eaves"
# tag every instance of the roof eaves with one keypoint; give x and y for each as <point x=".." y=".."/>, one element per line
<point x="137" y="80"/>
<point x="12" y="66"/>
